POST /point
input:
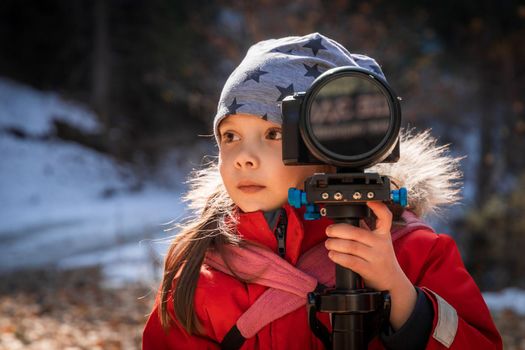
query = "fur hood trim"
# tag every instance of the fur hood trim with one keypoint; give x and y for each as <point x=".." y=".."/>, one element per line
<point x="431" y="176"/>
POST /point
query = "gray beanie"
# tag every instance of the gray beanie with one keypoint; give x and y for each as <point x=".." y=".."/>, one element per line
<point x="276" y="68"/>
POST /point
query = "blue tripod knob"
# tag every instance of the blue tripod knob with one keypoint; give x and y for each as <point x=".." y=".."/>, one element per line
<point x="297" y="199"/>
<point x="312" y="212"/>
<point x="400" y="196"/>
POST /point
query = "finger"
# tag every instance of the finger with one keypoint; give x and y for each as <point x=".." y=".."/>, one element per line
<point x="348" y="247"/>
<point x="352" y="262"/>
<point x="363" y="224"/>
<point x="350" y="232"/>
<point x="384" y="217"/>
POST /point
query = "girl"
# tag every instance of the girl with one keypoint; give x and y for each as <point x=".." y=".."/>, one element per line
<point x="237" y="274"/>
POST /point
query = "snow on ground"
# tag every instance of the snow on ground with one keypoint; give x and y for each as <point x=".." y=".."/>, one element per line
<point x="508" y="299"/>
<point x="32" y="110"/>
<point x="55" y="204"/>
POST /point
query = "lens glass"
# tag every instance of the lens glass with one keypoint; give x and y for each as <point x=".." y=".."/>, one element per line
<point x="350" y="115"/>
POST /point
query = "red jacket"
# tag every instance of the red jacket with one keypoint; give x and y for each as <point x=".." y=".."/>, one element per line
<point x="431" y="261"/>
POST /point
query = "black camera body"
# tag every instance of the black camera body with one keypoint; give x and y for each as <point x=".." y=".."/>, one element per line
<point x="295" y="151"/>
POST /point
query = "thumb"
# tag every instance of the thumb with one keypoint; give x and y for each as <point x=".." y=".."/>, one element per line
<point x="384" y="217"/>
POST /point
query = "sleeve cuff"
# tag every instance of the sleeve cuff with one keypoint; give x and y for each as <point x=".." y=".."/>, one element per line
<point x="414" y="334"/>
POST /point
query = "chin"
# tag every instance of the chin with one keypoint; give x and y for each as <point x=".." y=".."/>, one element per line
<point x="261" y="207"/>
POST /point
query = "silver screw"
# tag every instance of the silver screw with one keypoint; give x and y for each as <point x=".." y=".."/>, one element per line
<point x="322" y="211"/>
<point x="325" y="195"/>
<point x="357" y="195"/>
<point x="338" y="196"/>
<point x="370" y="195"/>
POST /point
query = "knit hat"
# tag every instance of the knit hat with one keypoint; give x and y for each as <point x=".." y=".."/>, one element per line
<point x="273" y="69"/>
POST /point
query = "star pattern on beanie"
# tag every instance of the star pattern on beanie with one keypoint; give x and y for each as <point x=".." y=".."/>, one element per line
<point x="280" y="68"/>
<point x="282" y="51"/>
<point x="232" y="108"/>
<point x="312" y="71"/>
<point x="255" y="75"/>
<point x="365" y="63"/>
<point x="315" y="45"/>
<point x="285" y="91"/>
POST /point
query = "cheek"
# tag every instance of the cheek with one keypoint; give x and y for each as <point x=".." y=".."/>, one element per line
<point x="309" y="170"/>
<point x="223" y="170"/>
<point x="221" y="163"/>
<point x="295" y="175"/>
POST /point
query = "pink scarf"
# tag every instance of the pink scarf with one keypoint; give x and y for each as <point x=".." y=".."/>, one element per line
<point x="288" y="284"/>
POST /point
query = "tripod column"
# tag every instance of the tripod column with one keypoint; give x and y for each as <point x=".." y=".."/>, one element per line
<point x="348" y="329"/>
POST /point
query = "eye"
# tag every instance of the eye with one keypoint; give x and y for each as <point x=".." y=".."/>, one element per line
<point x="228" y="137"/>
<point x="274" y="134"/>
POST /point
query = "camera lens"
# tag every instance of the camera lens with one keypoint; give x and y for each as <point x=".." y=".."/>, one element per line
<point x="350" y="118"/>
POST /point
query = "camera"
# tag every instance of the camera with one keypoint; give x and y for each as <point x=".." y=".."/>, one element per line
<point x="349" y="118"/>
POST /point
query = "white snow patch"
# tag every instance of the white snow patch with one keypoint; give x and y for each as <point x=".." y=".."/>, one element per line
<point x="31" y="110"/>
<point x="65" y="205"/>
<point x="510" y="298"/>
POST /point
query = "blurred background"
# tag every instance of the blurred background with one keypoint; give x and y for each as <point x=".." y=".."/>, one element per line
<point x="105" y="106"/>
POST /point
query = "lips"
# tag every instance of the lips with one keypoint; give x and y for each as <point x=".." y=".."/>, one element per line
<point x="250" y="186"/>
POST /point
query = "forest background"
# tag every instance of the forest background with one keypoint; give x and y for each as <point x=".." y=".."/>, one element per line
<point x="151" y="73"/>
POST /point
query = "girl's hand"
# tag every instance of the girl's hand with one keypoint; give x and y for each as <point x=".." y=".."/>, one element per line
<point x="371" y="255"/>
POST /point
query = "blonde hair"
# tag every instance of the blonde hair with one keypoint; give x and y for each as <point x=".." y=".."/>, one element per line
<point x="210" y="226"/>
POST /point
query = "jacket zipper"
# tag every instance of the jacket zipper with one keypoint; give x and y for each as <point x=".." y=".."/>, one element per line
<point x="280" y="234"/>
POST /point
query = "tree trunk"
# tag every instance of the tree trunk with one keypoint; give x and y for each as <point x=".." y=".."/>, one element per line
<point x="486" y="145"/>
<point x="101" y="62"/>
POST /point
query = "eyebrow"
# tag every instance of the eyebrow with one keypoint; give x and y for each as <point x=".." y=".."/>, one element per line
<point x="225" y="123"/>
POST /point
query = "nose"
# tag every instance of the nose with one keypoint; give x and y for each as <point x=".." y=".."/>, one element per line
<point x="247" y="158"/>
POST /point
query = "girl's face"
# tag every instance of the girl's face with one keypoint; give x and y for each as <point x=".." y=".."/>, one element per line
<point x="251" y="166"/>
